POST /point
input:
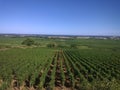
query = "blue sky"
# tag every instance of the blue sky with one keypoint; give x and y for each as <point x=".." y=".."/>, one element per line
<point x="68" y="17"/>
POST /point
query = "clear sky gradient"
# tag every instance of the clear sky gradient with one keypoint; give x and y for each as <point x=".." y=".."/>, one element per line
<point x="66" y="17"/>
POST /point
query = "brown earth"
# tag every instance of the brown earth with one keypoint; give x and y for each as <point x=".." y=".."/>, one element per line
<point x="62" y="88"/>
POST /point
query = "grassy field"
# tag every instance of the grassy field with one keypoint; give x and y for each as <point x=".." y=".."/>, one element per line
<point x="70" y="64"/>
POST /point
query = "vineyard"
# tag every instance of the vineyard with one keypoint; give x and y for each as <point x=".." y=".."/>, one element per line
<point x="41" y="68"/>
<point x="32" y="69"/>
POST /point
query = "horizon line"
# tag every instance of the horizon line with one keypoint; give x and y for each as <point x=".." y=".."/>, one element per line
<point x="55" y="34"/>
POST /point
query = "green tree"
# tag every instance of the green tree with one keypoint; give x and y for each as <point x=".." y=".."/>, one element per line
<point x="73" y="46"/>
<point x="51" y="45"/>
<point x="28" y="42"/>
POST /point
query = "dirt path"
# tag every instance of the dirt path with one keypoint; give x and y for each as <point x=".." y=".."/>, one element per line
<point x="4" y="49"/>
<point x="62" y="88"/>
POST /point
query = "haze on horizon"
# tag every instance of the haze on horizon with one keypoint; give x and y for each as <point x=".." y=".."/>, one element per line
<point x="61" y="17"/>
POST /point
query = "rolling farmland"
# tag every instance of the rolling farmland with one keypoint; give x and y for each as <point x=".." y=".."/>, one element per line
<point x="43" y="68"/>
<point x="59" y="44"/>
